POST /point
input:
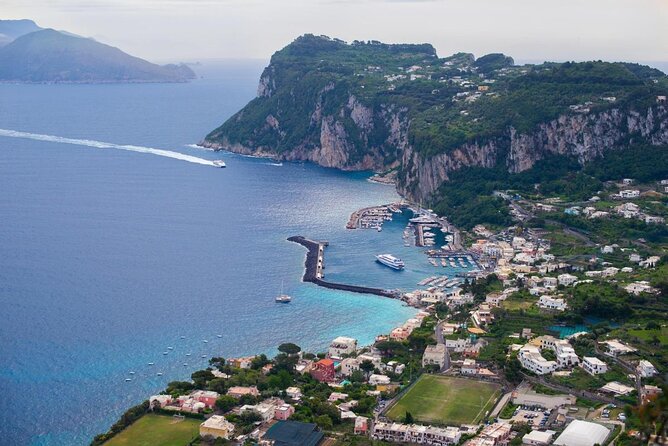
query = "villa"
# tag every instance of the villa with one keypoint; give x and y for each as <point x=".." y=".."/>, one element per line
<point x="342" y="346"/>
<point x="217" y="427"/>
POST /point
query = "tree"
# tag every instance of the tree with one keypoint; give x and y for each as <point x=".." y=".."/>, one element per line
<point x="324" y="422"/>
<point x="201" y="378"/>
<point x="289" y="348"/>
<point x="367" y="367"/>
<point x="225" y="403"/>
<point x="259" y="361"/>
<point x="408" y="418"/>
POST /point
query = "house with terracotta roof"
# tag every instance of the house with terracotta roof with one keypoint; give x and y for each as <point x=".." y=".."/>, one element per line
<point x="323" y="371"/>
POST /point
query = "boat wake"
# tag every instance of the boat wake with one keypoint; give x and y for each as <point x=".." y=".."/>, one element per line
<point x="198" y="147"/>
<point x="106" y="145"/>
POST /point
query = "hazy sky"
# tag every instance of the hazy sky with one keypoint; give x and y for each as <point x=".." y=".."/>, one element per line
<point x="160" y="30"/>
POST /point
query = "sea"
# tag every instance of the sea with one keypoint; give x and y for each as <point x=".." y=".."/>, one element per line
<point x="121" y="245"/>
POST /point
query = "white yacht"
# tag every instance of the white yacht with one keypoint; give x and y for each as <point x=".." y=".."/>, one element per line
<point x="219" y="163"/>
<point x="391" y="261"/>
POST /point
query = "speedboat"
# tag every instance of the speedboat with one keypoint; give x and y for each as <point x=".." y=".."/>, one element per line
<point x="219" y="163"/>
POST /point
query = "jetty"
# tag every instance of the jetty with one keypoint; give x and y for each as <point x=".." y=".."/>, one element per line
<point x="315" y="264"/>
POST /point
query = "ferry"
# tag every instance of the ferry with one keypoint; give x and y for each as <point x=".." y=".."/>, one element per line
<point x="219" y="163"/>
<point x="391" y="261"/>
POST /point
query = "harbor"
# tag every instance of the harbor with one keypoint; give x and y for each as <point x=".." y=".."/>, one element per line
<point x="315" y="264"/>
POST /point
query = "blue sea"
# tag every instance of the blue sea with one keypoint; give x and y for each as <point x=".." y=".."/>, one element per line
<point x="109" y="257"/>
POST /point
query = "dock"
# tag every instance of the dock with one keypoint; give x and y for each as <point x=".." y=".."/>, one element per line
<point x="373" y="217"/>
<point x="315" y="264"/>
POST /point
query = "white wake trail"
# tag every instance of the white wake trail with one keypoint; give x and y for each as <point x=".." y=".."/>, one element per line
<point x="105" y="145"/>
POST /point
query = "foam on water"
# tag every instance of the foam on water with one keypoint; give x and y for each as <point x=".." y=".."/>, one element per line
<point x="105" y="145"/>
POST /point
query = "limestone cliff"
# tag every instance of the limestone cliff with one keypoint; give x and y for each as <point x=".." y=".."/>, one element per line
<point x="372" y="106"/>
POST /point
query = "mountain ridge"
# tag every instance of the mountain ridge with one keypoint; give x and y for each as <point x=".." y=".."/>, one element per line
<point x="48" y="55"/>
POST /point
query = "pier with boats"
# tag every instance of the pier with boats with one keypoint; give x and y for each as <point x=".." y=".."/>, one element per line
<point x="373" y="217"/>
<point x="314" y="270"/>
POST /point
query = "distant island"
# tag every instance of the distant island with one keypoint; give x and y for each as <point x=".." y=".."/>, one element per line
<point x="29" y="53"/>
<point x="436" y="123"/>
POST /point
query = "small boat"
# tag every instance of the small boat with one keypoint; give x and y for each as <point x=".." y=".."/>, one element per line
<point x="187" y="354"/>
<point x="205" y="341"/>
<point x="170" y="348"/>
<point x="380" y="228"/>
<point x="132" y="373"/>
<point x="151" y="363"/>
<point x="219" y="163"/>
<point x="164" y="353"/>
<point x="183" y="337"/>
<point x="283" y="298"/>
<point x="127" y="380"/>
<point x="185" y="364"/>
<point x="203" y="356"/>
<point x="220" y="335"/>
<point x="159" y="373"/>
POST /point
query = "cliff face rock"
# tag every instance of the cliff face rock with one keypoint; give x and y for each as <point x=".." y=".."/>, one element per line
<point x="584" y="137"/>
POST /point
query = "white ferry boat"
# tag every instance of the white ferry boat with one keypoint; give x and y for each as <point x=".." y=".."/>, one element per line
<point x="219" y="163"/>
<point x="391" y="261"/>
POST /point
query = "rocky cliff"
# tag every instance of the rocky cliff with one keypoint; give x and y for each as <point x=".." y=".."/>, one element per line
<point x="584" y="137"/>
<point x="370" y="106"/>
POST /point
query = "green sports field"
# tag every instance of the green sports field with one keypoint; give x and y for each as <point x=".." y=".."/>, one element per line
<point x="157" y="430"/>
<point x="446" y="400"/>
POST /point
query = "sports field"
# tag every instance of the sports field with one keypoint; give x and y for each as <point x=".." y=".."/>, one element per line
<point x="157" y="430"/>
<point x="446" y="400"/>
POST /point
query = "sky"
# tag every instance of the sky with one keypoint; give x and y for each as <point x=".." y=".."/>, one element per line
<point x="528" y="30"/>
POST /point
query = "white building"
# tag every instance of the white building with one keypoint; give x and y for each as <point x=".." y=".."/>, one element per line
<point x="349" y="366"/>
<point x="636" y="288"/>
<point x="434" y="355"/>
<point x="531" y="359"/>
<point x="538" y="438"/>
<point x="582" y="433"/>
<point x="342" y="346"/>
<point x="616" y="348"/>
<point x="405" y="433"/>
<point x="469" y="367"/>
<point x="607" y="249"/>
<point x="375" y="380"/>
<point x="552" y="303"/>
<point x="294" y="392"/>
<point x="646" y="369"/>
<point x="566" y="279"/>
<point x="593" y="365"/>
<point x="629" y="193"/>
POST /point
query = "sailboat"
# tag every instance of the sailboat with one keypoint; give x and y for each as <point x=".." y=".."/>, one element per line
<point x="283" y="298"/>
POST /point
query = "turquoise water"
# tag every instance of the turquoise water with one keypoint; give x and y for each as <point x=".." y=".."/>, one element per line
<point x="108" y="257"/>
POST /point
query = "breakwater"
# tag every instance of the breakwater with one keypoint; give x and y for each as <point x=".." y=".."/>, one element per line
<point x="314" y="264"/>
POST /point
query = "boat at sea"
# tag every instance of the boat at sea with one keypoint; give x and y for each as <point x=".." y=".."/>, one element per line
<point x="151" y="363"/>
<point x="159" y="373"/>
<point x="219" y="163"/>
<point x="127" y="380"/>
<point x="283" y="298"/>
<point x="390" y="261"/>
